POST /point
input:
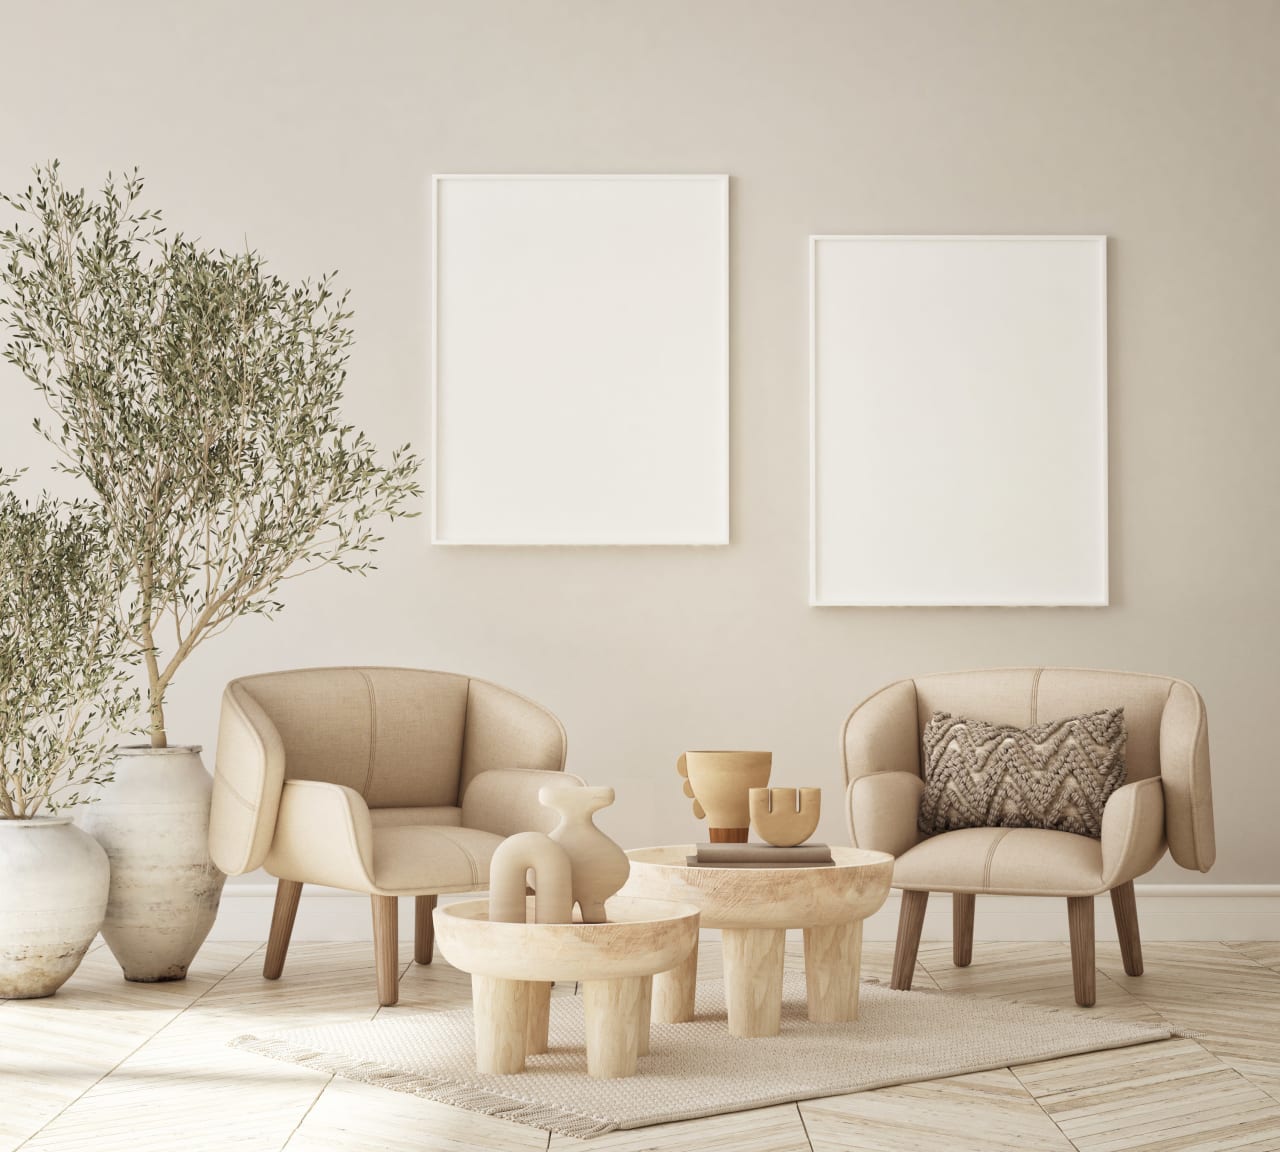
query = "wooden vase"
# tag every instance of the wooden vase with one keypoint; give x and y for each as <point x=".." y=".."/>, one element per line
<point x="720" y="784"/>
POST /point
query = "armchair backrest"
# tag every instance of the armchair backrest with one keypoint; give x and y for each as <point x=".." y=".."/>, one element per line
<point x="1165" y="720"/>
<point x="400" y="737"/>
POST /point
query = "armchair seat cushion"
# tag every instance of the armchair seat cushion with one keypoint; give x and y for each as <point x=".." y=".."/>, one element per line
<point x="431" y="858"/>
<point x="1003" y="861"/>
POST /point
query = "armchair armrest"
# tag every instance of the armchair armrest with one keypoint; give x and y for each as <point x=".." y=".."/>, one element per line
<point x="884" y="809"/>
<point x="1184" y="768"/>
<point x="324" y="835"/>
<point x="1132" y="831"/>
<point x="247" y="778"/>
<point x="505" y="801"/>
<point x="882" y="733"/>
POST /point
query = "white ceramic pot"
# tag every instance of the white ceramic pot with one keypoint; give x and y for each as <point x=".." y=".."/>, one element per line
<point x="153" y="820"/>
<point x="52" y="900"/>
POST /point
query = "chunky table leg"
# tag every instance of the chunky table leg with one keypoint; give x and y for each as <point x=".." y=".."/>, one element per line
<point x="753" y="979"/>
<point x="674" y="992"/>
<point x="502" y="1021"/>
<point x="612" y="1012"/>
<point x="646" y="1012"/>
<point x="539" y="1022"/>
<point x="832" y="965"/>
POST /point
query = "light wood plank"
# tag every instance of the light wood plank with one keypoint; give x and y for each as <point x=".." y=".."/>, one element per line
<point x="1171" y="1096"/>
<point x="983" y="1112"/>
<point x="777" y="1129"/>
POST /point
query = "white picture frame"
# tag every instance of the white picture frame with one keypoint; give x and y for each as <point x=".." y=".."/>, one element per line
<point x="958" y="420"/>
<point x="580" y="359"/>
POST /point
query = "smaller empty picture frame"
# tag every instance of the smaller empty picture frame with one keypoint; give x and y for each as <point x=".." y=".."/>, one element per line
<point x="958" y="420"/>
<point x="580" y="389"/>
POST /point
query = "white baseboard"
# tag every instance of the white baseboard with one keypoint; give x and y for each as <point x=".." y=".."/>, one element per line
<point x="1165" y="912"/>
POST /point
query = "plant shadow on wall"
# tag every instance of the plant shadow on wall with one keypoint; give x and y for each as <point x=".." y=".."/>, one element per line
<point x="199" y="397"/>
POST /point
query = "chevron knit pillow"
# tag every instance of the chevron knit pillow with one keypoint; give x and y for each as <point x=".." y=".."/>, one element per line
<point x="1056" y="776"/>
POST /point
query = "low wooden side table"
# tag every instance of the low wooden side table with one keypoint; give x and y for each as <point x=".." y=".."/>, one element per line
<point x="754" y="907"/>
<point x="512" y="967"/>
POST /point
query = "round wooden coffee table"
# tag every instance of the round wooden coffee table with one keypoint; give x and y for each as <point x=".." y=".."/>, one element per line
<point x="512" y="965"/>
<point x="753" y="908"/>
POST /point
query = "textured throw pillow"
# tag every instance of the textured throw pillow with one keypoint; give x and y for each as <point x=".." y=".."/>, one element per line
<point x="1056" y="776"/>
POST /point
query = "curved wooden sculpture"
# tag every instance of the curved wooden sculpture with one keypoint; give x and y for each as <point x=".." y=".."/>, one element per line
<point x="785" y="817"/>
<point x="509" y="870"/>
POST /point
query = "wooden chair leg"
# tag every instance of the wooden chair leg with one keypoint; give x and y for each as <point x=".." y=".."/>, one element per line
<point x="386" y="948"/>
<point x="1125" y="908"/>
<point x="424" y="929"/>
<point x="1080" y="921"/>
<point x="962" y="928"/>
<point x="288" y="892"/>
<point x="910" y="924"/>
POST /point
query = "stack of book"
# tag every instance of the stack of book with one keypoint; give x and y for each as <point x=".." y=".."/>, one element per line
<point x="759" y="856"/>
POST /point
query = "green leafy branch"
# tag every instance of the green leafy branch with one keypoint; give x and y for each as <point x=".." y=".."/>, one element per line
<point x="65" y="675"/>
<point x="200" y="397"/>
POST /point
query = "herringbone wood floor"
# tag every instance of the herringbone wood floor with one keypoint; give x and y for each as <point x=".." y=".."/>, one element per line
<point x="107" y="1065"/>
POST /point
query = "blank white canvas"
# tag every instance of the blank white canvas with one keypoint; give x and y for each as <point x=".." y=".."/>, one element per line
<point x="958" y="420"/>
<point x="581" y="360"/>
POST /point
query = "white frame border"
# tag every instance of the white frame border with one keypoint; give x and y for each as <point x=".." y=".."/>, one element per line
<point x="1101" y="602"/>
<point x="723" y="536"/>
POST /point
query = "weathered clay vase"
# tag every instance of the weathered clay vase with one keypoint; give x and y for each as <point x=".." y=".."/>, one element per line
<point x="153" y="820"/>
<point x="600" y="867"/>
<point x="719" y="784"/>
<point x="52" y="902"/>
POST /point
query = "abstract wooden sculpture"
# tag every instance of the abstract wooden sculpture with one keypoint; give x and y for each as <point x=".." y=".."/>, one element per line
<point x="509" y="870"/>
<point x="599" y="867"/>
<point x="785" y="817"/>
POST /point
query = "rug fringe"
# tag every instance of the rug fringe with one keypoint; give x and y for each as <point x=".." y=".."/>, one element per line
<point x="441" y="1090"/>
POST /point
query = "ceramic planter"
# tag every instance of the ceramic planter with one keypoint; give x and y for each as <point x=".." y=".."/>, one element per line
<point x="153" y="821"/>
<point x="52" y="900"/>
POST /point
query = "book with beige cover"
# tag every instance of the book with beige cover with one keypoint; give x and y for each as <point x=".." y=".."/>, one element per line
<point x="761" y="855"/>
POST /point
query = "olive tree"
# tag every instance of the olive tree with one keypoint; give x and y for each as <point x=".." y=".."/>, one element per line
<point x="65" y="670"/>
<point x="200" y="396"/>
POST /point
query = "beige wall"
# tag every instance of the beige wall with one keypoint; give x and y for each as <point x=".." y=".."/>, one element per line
<point x="313" y="128"/>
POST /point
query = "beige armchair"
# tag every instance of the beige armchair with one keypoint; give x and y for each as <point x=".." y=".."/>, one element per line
<point x="1166" y="800"/>
<point x="390" y="781"/>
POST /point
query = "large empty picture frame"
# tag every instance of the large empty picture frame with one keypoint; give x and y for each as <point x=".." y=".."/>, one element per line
<point x="958" y="420"/>
<point x="581" y="364"/>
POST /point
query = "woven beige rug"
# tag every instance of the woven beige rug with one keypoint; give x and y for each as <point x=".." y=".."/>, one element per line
<point x="698" y="1069"/>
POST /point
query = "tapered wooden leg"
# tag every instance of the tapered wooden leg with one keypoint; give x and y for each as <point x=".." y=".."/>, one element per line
<point x="1080" y="921"/>
<point x="646" y="1012"/>
<point x="832" y="966"/>
<point x="288" y="892"/>
<point x="962" y="928"/>
<point x="753" y="979"/>
<point x="424" y="929"/>
<point x="502" y="1023"/>
<point x="611" y="1010"/>
<point x="1125" y="908"/>
<point x="675" y="992"/>
<point x="386" y="948"/>
<point x="910" y="925"/>
<point x="537" y="1032"/>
